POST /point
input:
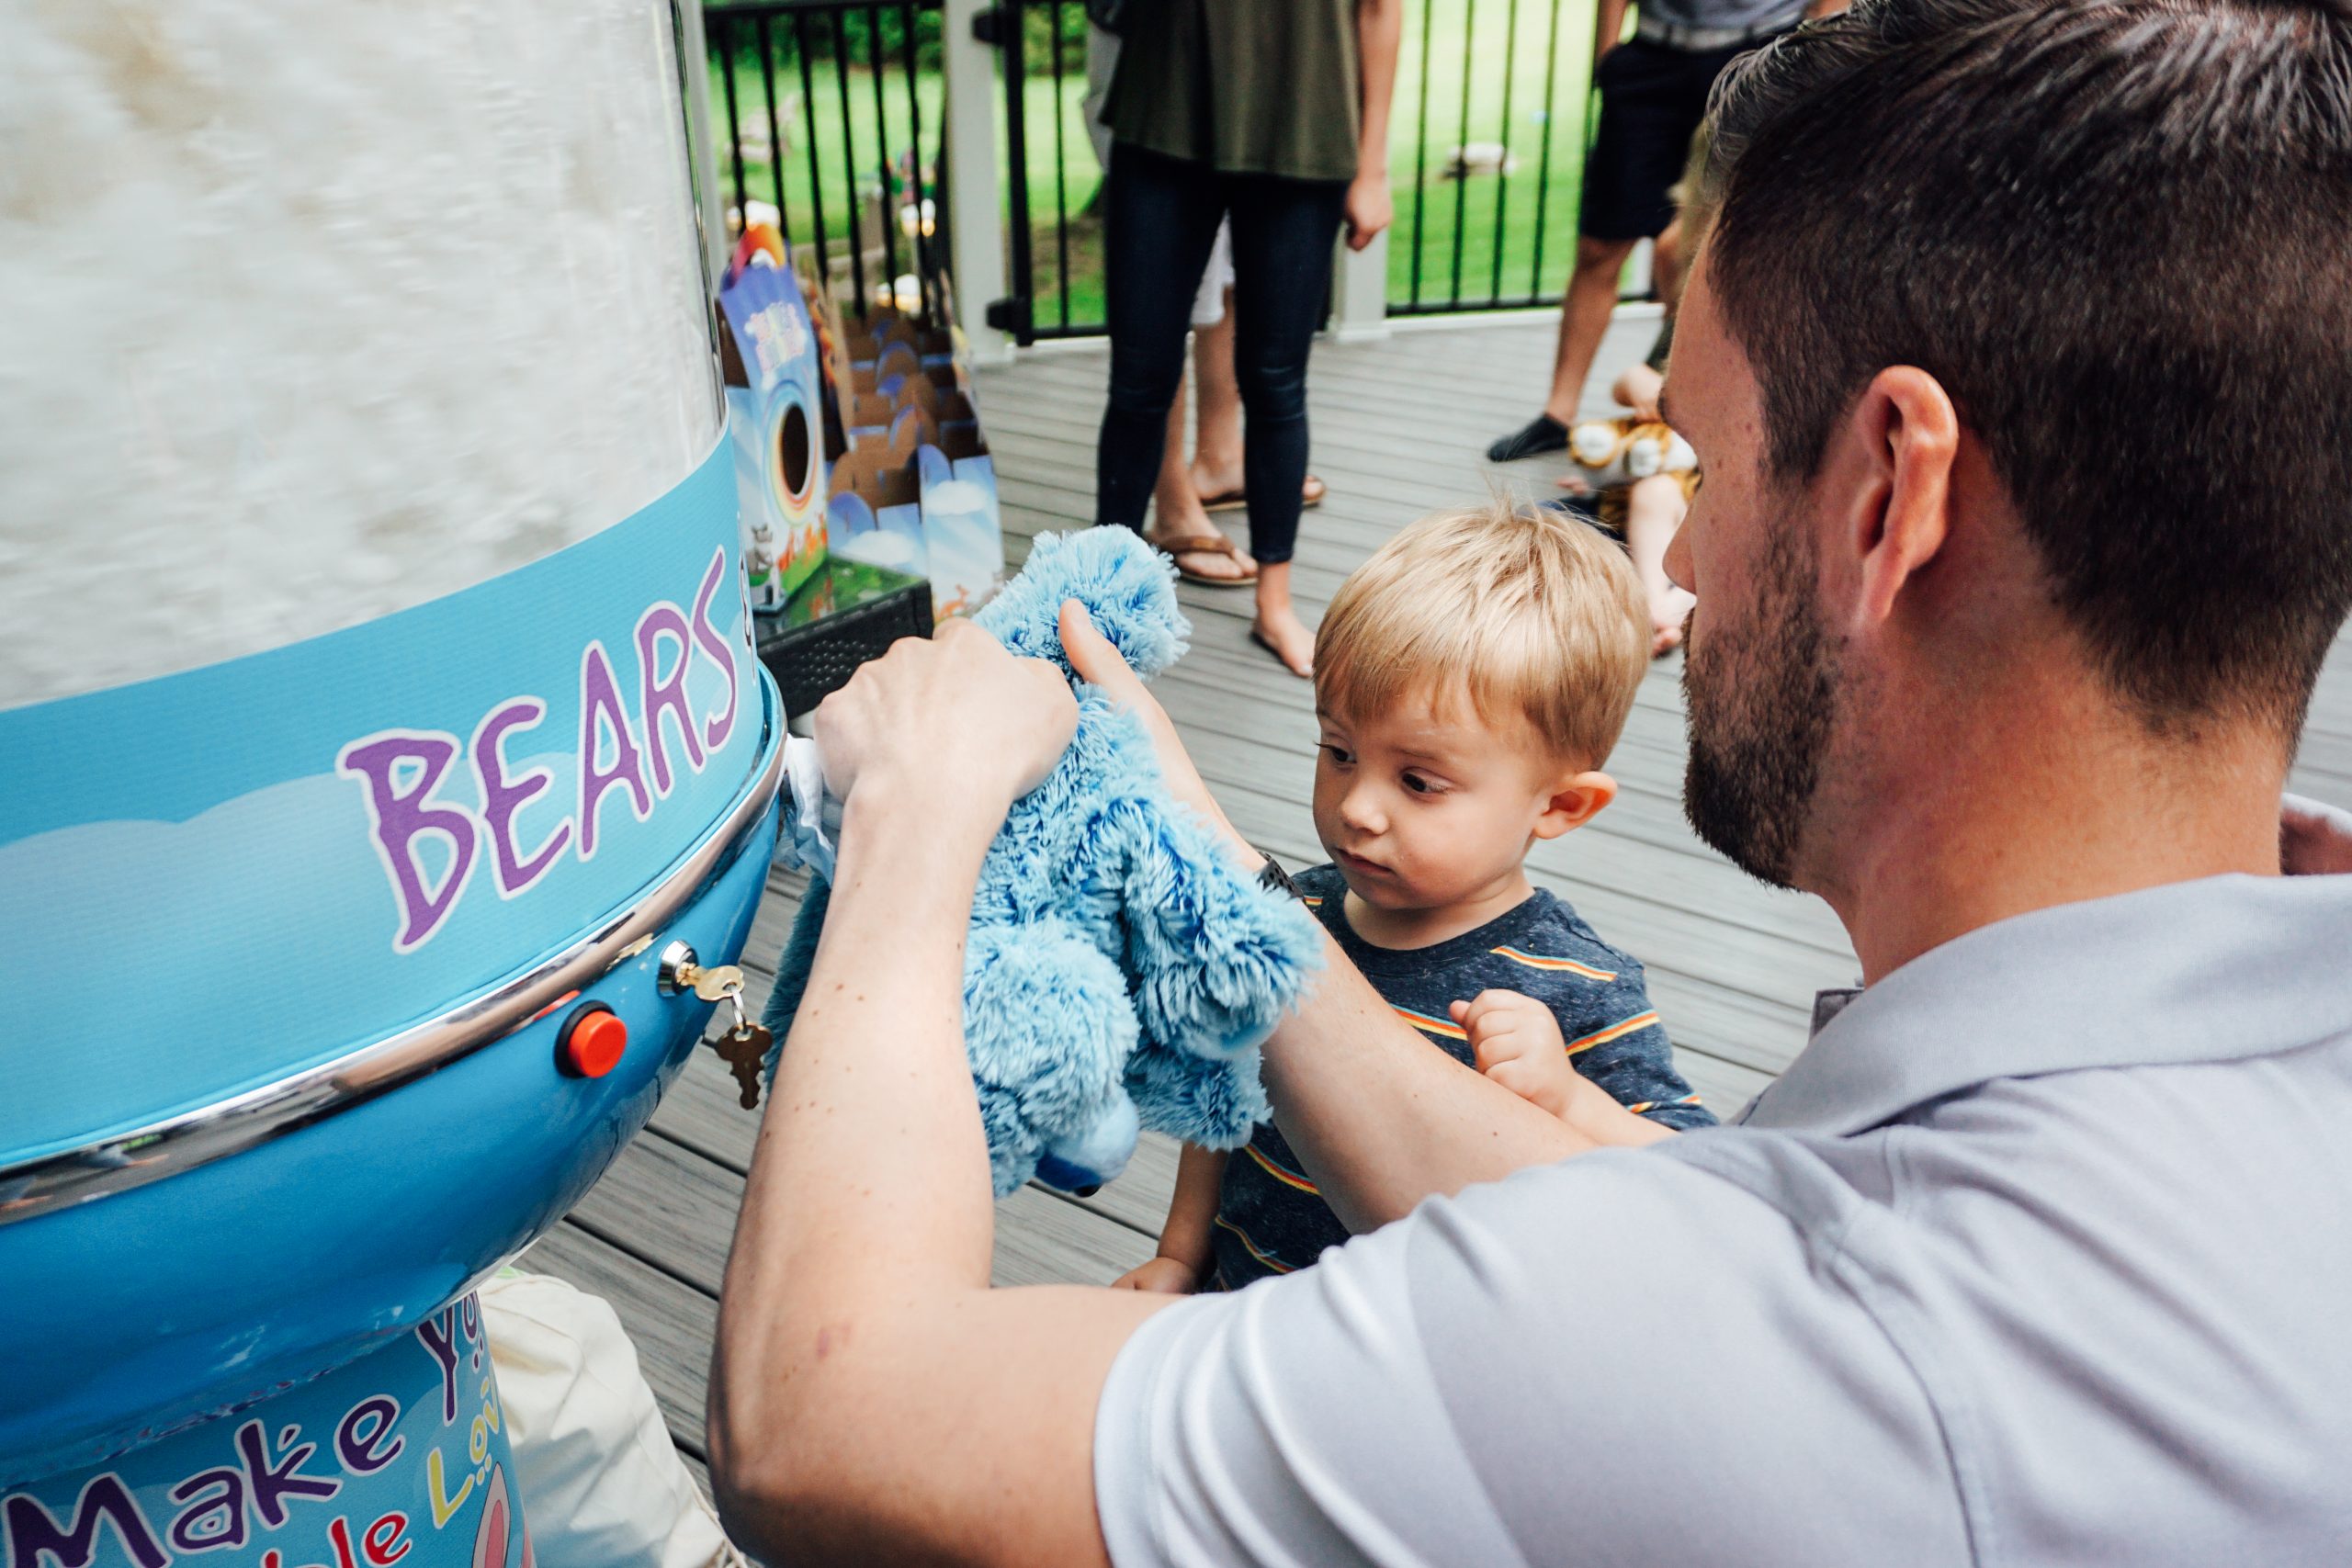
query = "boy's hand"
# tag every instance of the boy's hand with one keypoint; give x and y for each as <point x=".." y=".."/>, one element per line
<point x="1159" y="1276"/>
<point x="1516" y="1042"/>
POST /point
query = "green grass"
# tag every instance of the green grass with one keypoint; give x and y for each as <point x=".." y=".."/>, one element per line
<point x="1506" y="47"/>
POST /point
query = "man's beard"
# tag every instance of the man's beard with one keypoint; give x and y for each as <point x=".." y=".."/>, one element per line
<point x="1760" y="700"/>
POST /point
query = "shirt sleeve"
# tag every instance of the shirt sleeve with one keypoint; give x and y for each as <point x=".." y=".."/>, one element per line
<point x="1617" y="1360"/>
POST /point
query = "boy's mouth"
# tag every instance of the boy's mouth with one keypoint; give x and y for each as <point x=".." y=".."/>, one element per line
<point x="1349" y="861"/>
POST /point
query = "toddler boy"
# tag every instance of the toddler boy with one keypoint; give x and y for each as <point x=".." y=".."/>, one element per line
<point x="1470" y="679"/>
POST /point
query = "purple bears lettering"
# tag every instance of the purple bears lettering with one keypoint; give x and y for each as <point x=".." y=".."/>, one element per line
<point x="428" y="835"/>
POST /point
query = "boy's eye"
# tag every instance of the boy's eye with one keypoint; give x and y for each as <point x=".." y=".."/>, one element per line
<point x="1419" y="784"/>
<point x="1337" y="753"/>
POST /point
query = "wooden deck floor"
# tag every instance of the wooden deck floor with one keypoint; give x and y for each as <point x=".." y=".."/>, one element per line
<point x="1400" y="429"/>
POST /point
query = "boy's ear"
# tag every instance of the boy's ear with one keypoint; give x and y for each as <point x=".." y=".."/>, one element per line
<point x="1576" y="800"/>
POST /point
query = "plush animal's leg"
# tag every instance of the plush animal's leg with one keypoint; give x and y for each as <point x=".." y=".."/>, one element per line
<point x="1201" y="1100"/>
<point x="1214" y="958"/>
<point x="1048" y="1030"/>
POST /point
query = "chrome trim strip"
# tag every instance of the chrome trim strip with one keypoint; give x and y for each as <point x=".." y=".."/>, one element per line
<point x="194" y="1138"/>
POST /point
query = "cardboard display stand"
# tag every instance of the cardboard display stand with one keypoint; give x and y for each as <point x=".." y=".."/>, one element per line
<point x="911" y="524"/>
<point x="918" y="472"/>
<point x="775" y="416"/>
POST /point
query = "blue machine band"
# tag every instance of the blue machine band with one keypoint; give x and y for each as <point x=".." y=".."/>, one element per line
<point x="298" y="939"/>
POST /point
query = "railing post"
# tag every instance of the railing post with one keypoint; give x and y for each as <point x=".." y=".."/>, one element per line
<point x="975" y="226"/>
<point x="1360" y="290"/>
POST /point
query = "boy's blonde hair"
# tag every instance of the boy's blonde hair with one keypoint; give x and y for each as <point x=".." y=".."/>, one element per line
<point x="1529" y="610"/>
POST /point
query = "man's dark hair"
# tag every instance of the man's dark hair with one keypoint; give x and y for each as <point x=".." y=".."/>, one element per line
<point x="2118" y="233"/>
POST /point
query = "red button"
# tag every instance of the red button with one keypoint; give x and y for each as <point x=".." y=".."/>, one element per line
<point x="592" y="1044"/>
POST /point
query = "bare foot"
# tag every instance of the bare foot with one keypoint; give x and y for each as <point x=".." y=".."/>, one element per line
<point x="1213" y="481"/>
<point x="1281" y="634"/>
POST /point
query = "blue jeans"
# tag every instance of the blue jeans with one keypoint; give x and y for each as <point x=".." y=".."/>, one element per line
<point x="1159" y="220"/>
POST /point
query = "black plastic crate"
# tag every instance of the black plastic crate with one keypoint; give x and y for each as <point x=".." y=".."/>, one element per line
<point x="816" y="656"/>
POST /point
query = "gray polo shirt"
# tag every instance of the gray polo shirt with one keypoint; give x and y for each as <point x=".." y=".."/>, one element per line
<point x="2039" y="1253"/>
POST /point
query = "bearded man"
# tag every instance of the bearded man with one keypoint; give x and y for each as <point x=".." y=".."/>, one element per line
<point x="2011" y="598"/>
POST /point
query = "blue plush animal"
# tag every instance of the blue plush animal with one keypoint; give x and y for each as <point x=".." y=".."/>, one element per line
<point x="1121" y="970"/>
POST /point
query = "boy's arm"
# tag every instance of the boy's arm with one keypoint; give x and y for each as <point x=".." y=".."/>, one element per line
<point x="1619" y="1048"/>
<point x="1516" y="1041"/>
<point x="1185" y="1241"/>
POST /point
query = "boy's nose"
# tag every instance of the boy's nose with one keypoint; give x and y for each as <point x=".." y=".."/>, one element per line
<point x="1360" y="811"/>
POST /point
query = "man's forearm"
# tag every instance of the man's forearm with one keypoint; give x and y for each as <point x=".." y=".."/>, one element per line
<point x="1382" y="1118"/>
<point x="830" y="1222"/>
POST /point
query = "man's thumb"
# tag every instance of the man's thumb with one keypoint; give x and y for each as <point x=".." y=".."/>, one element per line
<point x="1095" y="658"/>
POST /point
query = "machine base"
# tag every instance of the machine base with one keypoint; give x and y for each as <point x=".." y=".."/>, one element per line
<point x="400" y="1457"/>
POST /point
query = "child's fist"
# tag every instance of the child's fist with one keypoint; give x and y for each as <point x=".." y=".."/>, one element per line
<point x="1516" y="1042"/>
<point x="1160" y="1277"/>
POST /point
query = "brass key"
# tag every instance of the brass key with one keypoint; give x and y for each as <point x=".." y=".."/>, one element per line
<point x="744" y="1046"/>
<point x="714" y="984"/>
<point x="744" y="1049"/>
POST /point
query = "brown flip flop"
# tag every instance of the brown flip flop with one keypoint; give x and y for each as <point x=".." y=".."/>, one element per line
<point x="1211" y="543"/>
<point x="1311" y="493"/>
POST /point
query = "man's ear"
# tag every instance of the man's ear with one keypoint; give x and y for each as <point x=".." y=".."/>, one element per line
<point x="1576" y="800"/>
<point x="1904" y="435"/>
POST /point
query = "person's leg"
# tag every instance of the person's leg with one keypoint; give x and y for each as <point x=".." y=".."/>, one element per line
<point x="1637" y="152"/>
<point x="1177" y="513"/>
<point x="1159" y="219"/>
<point x="1283" y="233"/>
<point x="1654" y="509"/>
<point x="1216" y="440"/>
<point x="1666" y="263"/>
<point x="1584" y="319"/>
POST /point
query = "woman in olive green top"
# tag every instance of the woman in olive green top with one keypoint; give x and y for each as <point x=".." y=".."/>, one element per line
<point x="1274" y="112"/>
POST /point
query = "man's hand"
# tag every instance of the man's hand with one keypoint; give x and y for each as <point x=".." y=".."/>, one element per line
<point x="1100" y="664"/>
<point x="1160" y="1277"/>
<point x="953" y="714"/>
<point x="1517" y="1043"/>
<point x="1369" y="209"/>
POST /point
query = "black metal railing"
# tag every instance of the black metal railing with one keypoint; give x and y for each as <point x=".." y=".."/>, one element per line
<point x="1045" y="67"/>
<point x="1523" y="78"/>
<point x="832" y="114"/>
<point x="1493" y="113"/>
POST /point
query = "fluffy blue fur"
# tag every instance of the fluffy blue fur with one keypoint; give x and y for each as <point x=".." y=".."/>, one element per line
<point x="1119" y="971"/>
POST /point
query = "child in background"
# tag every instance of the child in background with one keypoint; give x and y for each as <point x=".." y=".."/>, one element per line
<point x="1470" y="679"/>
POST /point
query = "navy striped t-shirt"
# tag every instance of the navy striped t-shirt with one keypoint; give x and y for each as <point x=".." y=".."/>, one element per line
<point x="1270" y="1218"/>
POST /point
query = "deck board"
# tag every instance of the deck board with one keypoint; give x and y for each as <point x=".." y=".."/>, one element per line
<point x="1399" y="427"/>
